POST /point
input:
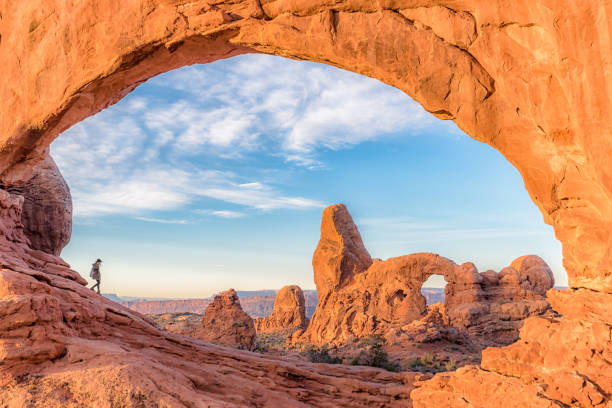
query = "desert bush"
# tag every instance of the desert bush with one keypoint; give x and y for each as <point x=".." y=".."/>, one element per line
<point x="428" y="358"/>
<point x="430" y="362"/>
<point x="321" y="355"/>
<point x="375" y="356"/>
<point x="450" y="365"/>
<point x="414" y="363"/>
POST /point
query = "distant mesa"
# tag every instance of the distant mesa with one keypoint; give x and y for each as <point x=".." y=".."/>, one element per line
<point x="256" y="304"/>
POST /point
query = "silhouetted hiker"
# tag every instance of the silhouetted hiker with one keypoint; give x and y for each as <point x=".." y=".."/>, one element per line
<point x="95" y="274"/>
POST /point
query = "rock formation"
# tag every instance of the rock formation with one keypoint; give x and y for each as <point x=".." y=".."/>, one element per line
<point x="531" y="79"/>
<point x="225" y="322"/>
<point x="386" y="296"/>
<point x="289" y="312"/>
<point x="340" y="253"/>
<point x="47" y="210"/>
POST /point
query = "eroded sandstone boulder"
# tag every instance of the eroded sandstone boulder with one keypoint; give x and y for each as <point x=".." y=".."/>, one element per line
<point x="571" y="355"/>
<point x="47" y="208"/>
<point x="289" y="312"/>
<point x="225" y="322"/>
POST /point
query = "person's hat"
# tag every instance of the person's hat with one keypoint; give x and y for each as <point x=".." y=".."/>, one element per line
<point x="99" y="260"/>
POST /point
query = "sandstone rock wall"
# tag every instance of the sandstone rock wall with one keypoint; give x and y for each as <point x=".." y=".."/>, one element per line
<point x="289" y="312"/>
<point x="387" y="295"/>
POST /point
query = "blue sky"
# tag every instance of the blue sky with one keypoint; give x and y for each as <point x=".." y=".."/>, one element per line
<point x="215" y="176"/>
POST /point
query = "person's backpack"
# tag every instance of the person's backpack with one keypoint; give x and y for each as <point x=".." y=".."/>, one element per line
<point x="91" y="273"/>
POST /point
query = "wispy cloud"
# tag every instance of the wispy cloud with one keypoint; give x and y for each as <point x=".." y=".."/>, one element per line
<point x="222" y="213"/>
<point x="419" y="231"/>
<point x="162" y="220"/>
<point x="257" y="196"/>
<point x="165" y="149"/>
<point x="298" y="108"/>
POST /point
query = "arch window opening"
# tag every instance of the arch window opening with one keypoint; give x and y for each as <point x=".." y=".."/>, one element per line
<point x="433" y="289"/>
<point x="214" y="176"/>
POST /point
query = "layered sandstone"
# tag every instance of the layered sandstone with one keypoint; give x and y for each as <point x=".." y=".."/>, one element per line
<point x="385" y="297"/>
<point x="289" y="312"/>
<point x="530" y="78"/>
<point x="225" y="322"/>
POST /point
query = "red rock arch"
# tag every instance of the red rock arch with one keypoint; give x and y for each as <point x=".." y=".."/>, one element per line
<point x="530" y="78"/>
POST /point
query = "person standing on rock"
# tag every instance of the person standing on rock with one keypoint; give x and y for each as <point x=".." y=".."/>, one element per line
<point x="95" y="274"/>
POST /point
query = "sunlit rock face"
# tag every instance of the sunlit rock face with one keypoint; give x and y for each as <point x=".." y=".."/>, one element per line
<point x="386" y="295"/>
<point x="289" y="312"/>
<point x="225" y="322"/>
<point x="531" y="79"/>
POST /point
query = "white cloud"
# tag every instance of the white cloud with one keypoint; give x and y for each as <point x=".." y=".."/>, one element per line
<point x="389" y="229"/>
<point x="222" y="213"/>
<point x="162" y="220"/>
<point x="114" y="173"/>
<point x="302" y="106"/>
<point x="147" y="153"/>
<point x="256" y="196"/>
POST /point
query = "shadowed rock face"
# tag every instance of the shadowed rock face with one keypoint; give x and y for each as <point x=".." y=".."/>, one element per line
<point x="225" y="322"/>
<point x="386" y="296"/>
<point x="530" y="78"/>
<point x="47" y="208"/>
<point x="289" y="312"/>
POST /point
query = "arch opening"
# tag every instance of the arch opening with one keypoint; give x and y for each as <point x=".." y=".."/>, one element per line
<point x="433" y="289"/>
<point x="166" y="119"/>
<point x="178" y="122"/>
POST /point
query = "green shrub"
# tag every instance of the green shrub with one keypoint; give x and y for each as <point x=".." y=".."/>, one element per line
<point x="375" y="356"/>
<point x="321" y="355"/>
